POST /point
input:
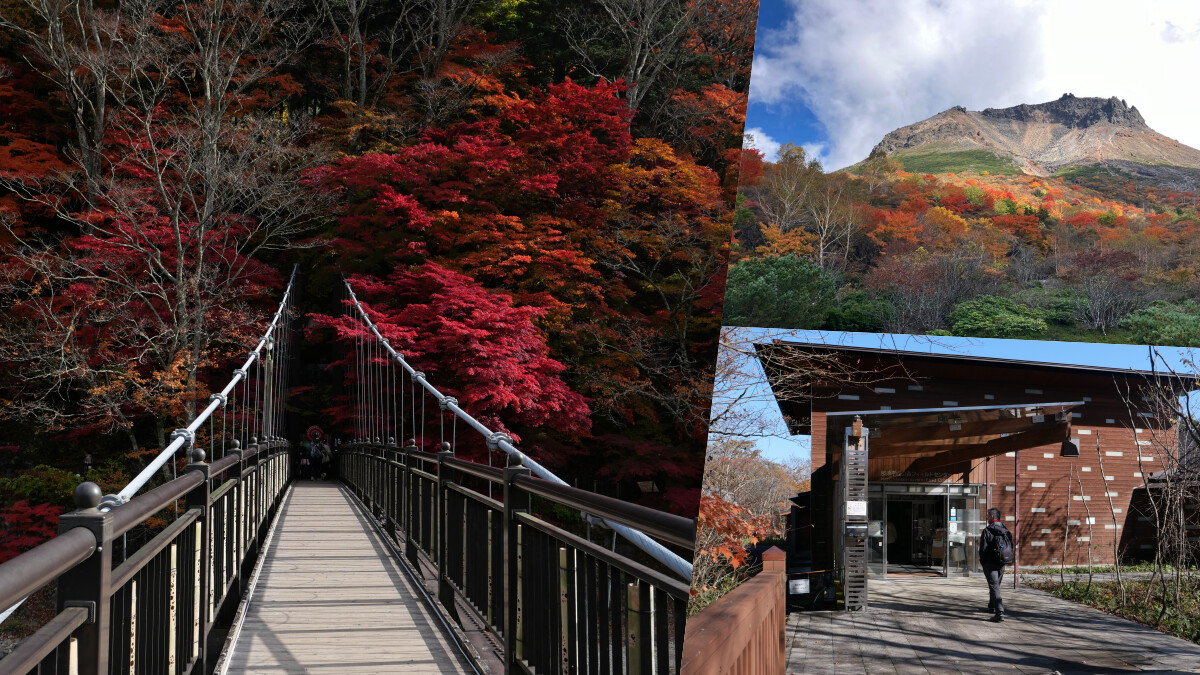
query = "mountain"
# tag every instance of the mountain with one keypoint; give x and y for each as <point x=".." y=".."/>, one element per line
<point x="1067" y="136"/>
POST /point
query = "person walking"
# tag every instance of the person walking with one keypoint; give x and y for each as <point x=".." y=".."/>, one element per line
<point x="995" y="551"/>
<point x="326" y="460"/>
<point x="305" y="469"/>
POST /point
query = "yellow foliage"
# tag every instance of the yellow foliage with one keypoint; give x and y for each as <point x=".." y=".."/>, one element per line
<point x="778" y="243"/>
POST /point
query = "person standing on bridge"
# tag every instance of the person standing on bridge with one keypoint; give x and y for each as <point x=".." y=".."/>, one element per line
<point x="995" y="551"/>
<point x="304" y="471"/>
<point x="326" y="459"/>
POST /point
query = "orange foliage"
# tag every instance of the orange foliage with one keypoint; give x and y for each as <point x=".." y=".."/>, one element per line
<point x="795" y="241"/>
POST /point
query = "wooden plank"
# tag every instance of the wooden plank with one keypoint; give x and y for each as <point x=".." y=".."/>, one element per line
<point x="331" y="599"/>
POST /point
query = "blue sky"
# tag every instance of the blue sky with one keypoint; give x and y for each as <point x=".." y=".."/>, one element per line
<point x="1136" y="357"/>
<point x="784" y="120"/>
<point x="836" y="75"/>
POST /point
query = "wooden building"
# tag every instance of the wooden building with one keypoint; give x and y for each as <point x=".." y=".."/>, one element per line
<point x="1059" y="449"/>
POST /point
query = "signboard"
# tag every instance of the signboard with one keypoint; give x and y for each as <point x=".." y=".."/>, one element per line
<point x="856" y="508"/>
<point x="797" y="586"/>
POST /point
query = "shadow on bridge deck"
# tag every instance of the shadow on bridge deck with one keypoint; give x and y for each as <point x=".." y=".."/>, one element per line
<point x="331" y="599"/>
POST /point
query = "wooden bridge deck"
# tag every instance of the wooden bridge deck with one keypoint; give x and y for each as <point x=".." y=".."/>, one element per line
<point x="331" y="599"/>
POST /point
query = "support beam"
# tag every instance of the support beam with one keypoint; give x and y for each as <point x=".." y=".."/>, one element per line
<point x="890" y="438"/>
<point x="1030" y="439"/>
<point x="969" y="443"/>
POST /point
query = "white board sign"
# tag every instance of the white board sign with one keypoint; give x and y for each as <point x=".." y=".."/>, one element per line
<point x="856" y="508"/>
<point x="798" y="586"/>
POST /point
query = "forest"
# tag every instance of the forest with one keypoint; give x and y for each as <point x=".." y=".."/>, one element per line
<point x="534" y="199"/>
<point x="1089" y="254"/>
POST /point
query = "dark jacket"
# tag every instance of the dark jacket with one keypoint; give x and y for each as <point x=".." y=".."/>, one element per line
<point x="987" y="541"/>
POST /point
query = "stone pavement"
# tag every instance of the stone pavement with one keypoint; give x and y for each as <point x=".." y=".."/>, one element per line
<point x="939" y="626"/>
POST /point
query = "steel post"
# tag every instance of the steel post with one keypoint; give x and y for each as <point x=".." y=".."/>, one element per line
<point x="516" y="501"/>
<point x="88" y="584"/>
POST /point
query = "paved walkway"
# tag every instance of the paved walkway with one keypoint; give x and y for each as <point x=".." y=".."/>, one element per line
<point x="938" y="626"/>
<point x="331" y="599"/>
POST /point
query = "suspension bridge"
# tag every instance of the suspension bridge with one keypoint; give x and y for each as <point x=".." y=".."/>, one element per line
<point x="408" y="559"/>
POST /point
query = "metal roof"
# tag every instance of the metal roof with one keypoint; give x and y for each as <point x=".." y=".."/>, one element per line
<point x="877" y="351"/>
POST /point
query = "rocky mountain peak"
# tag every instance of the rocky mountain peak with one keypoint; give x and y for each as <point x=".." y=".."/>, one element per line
<point x="1074" y="112"/>
<point x="1045" y="138"/>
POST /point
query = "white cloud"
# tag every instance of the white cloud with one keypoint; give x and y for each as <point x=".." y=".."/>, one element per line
<point x="866" y="67"/>
<point x="757" y="139"/>
<point x="818" y="151"/>
<point x="1145" y="54"/>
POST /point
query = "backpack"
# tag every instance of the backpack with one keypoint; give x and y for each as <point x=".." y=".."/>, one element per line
<point x="1002" y="551"/>
<point x="315" y="452"/>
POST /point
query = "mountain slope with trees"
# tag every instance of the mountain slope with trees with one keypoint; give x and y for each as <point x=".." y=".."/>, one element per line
<point x="1096" y="255"/>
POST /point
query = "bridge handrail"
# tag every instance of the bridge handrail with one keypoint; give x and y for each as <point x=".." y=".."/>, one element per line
<point x="500" y="441"/>
<point x="138" y="509"/>
<point x="665" y="526"/>
<point x="81" y="558"/>
<point x="549" y="599"/>
<point x="489" y="473"/>
<point x="40" y="565"/>
<point x="39" y="645"/>
<point x="669" y="527"/>
<point x="43" y="563"/>
<point x="184" y="436"/>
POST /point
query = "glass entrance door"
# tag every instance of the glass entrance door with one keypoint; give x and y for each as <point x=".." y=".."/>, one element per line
<point x="962" y="525"/>
<point x="876" y="537"/>
<point x="922" y="529"/>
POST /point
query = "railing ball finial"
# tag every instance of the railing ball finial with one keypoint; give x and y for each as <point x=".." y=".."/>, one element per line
<point x="88" y="495"/>
<point x="253" y="440"/>
<point x="236" y="444"/>
<point x="375" y="440"/>
<point x="446" y="447"/>
<point x="196" y="456"/>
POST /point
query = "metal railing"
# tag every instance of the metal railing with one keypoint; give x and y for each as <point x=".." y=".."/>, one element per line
<point x="557" y="602"/>
<point x="260" y="415"/>
<point x="262" y="406"/>
<point x="155" y="611"/>
<point x="373" y="393"/>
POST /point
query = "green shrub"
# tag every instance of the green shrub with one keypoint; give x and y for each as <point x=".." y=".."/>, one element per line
<point x="1004" y="207"/>
<point x="1164" y="323"/>
<point x="975" y="195"/>
<point x="41" y="485"/>
<point x="858" y="311"/>
<point x="996" y="317"/>
<point x="778" y="292"/>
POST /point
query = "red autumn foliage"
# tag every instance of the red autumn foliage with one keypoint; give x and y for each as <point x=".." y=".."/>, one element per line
<point x="1025" y="227"/>
<point x="474" y="343"/>
<point x="24" y="525"/>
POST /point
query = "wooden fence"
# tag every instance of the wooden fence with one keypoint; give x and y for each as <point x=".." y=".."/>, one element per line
<point x="743" y="633"/>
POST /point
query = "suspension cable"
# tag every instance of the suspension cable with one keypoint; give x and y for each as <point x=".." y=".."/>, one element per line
<point x="185" y="437"/>
<point x="502" y="442"/>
